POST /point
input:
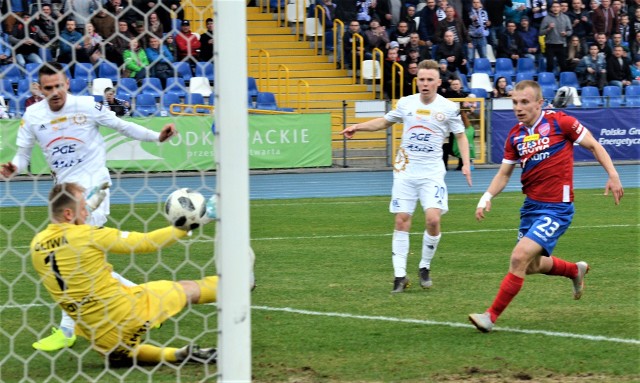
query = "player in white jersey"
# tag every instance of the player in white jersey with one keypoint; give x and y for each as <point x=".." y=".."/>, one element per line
<point x="428" y="119"/>
<point x="66" y="128"/>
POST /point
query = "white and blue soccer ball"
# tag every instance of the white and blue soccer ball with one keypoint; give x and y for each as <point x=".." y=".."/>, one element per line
<point x="186" y="209"/>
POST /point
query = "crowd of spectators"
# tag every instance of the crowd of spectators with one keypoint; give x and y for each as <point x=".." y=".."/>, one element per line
<point x="558" y="33"/>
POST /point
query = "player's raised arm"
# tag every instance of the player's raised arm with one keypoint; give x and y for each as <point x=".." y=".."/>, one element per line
<point x="499" y="182"/>
<point x="369" y="126"/>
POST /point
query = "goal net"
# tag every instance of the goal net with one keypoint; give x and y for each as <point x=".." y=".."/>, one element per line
<point x="151" y="63"/>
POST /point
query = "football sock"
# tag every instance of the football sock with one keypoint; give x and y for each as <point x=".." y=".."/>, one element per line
<point x="123" y="281"/>
<point x="153" y="354"/>
<point x="208" y="289"/>
<point x="400" y="251"/>
<point x="509" y="288"/>
<point x="67" y="325"/>
<point x="563" y="268"/>
<point x="429" y="247"/>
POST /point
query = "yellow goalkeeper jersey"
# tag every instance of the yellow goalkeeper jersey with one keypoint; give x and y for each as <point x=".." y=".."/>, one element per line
<point x="71" y="260"/>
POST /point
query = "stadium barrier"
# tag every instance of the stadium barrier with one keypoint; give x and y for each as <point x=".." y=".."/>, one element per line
<point x="616" y="129"/>
<point x="275" y="141"/>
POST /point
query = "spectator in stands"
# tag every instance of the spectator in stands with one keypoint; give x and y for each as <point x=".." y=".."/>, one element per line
<point x="478" y="31"/>
<point x="118" y="106"/>
<point x="575" y="53"/>
<point x="170" y="43"/>
<point x="634" y="22"/>
<point x="453" y="53"/>
<point x="144" y="6"/>
<point x="155" y="26"/>
<point x="115" y="47"/>
<point x="632" y="8"/>
<point x="18" y="9"/>
<point x="142" y="33"/>
<point x="538" y="11"/>
<point x="410" y="18"/>
<point x="104" y="23"/>
<point x="401" y="36"/>
<point x="136" y="63"/>
<point x="618" y="71"/>
<point x="530" y="41"/>
<point x="389" y="12"/>
<point x="410" y="74"/>
<point x="347" y="45"/>
<point x="618" y="11"/>
<point x="510" y="44"/>
<point x="80" y="11"/>
<point x="390" y="73"/>
<point x="454" y="24"/>
<point x="519" y="9"/>
<point x="47" y="21"/>
<point x="634" y="46"/>
<point x="446" y="76"/>
<point x="580" y="20"/>
<point x="502" y="88"/>
<point x="616" y="40"/>
<point x="428" y="22"/>
<point x="123" y="11"/>
<point x="36" y="95"/>
<point x="413" y="56"/>
<point x="556" y="28"/>
<point x="71" y="44"/>
<point x="187" y="44"/>
<point x="92" y="44"/>
<point x="592" y="68"/>
<point x="635" y="70"/>
<point x="376" y="36"/>
<point x="160" y="59"/>
<point x="603" y="44"/>
<point x="604" y="19"/>
<point x="346" y="10"/>
<point x="6" y="55"/>
<point x="206" y="42"/>
<point x="366" y="11"/>
<point x="625" y="29"/>
<point x="26" y="38"/>
<point x="420" y="46"/>
<point x="495" y="9"/>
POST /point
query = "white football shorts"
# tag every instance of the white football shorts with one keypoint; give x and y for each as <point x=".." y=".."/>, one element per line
<point x="406" y="192"/>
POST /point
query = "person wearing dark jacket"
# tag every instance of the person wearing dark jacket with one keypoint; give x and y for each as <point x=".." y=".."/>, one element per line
<point x="510" y="44"/>
<point x="453" y="53"/>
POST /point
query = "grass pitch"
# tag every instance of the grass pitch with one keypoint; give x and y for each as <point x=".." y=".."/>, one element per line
<point x="323" y="311"/>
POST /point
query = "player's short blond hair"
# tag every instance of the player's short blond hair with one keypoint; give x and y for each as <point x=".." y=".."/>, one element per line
<point x="524" y="84"/>
<point x="429" y="64"/>
<point x="63" y="196"/>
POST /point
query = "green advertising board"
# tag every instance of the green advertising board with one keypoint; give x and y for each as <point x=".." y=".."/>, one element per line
<point x="275" y="141"/>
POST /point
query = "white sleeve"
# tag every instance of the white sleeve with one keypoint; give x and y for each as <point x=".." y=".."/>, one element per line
<point x="455" y="120"/>
<point x="25" y="142"/>
<point x="396" y="115"/>
<point x="21" y="159"/>
<point x="108" y="118"/>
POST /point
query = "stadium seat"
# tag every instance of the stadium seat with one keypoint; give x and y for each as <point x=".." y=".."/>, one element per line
<point x="183" y="69"/>
<point x="46" y="54"/>
<point x="548" y="95"/>
<point x="98" y="97"/>
<point x="84" y="71"/>
<point x="205" y="69"/>
<point x="569" y="79"/>
<point x="99" y="85"/>
<point x="547" y="80"/>
<point x="527" y="66"/>
<point x="311" y="25"/>
<point x="152" y="86"/>
<point x="370" y="70"/>
<point x="78" y="87"/>
<point x="480" y="93"/>
<point x="108" y="70"/>
<point x="176" y="86"/>
<point x="31" y="71"/>
<point x="200" y="85"/>
<point x="128" y="86"/>
<point x="252" y="87"/>
<point x="482" y="65"/>
<point x="481" y="80"/>
<point x="197" y="99"/>
<point x="24" y="87"/>
<point x="292" y="16"/>
<point x="169" y="98"/>
<point x="632" y="95"/>
<point x="590" y="97"/>
<point x="523" y="76"/>
<point x="145" y="105"/>
<point x="463" y="80"/>
<point x="6" y="88"/>
<point x="11" y="72"/>
<point x="505" y="65"/>
<point x="612" y="96"/>
<point x="266" y="101"/>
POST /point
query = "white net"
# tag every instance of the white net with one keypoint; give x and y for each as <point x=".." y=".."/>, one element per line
<point x="136" y="59"/>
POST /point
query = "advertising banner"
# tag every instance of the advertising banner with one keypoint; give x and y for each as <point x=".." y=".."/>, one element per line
<point x="275" y="141"/>
<point x="616" y="129"/>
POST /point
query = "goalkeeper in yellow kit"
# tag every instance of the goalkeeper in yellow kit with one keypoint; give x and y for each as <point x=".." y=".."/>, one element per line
<point x="70" y="257"/>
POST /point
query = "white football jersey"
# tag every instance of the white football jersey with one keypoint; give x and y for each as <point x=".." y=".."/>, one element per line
<point x="71" y="141"/>
<point x="425" y="129"/>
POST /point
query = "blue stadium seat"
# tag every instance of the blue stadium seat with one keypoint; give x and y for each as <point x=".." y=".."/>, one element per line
<point x="527" y="66"/>
<point x="569" y="79"/>
<point x="183" y="69"/>
<point x="78" y="87"/>
<point x="523" y="76"/>
<point x="127" y="86"/>
<point x="176" y="85"/>
<point x="31" y="71"/>
<point x="252" y="87"/>
<point x="480" y="92"/>
<point x="482" y="65"/>
<point x="196" y="99"/>
<point x="109" y="70"/>
<point x="205" y="69"/>
<point x="548" y="95"/>
<point x="24" y="86"/>
<point x="266" y="101"/>
<point x="612" y="96"/>
<point x="590" y="97"/>
<point x="463" y="80"/>
<point x="505" y="65"/>
<point x="169" y="98"/>
<point x="84" y="71"/>
<point x="11" y="72"/>
<point x="152" y="86"/>
<point x="145" y="105"/>
<point x="547" y="80"/>
<point x="6" y="88"/>
<point x="632" y="95"/>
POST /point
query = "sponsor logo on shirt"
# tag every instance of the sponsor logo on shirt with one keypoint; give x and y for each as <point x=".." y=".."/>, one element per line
<point x="532" y="137"/>
<point x="424" y="112"/>
<point x="440" y="116"/>
<point x="79" y="119"/>
<point x="59" y="120"/>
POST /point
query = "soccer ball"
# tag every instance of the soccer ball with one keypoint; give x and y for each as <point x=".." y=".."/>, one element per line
<point x="185" y="209"/>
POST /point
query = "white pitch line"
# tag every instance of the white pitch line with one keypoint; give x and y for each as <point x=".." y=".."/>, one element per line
<point x="596" y="338"/>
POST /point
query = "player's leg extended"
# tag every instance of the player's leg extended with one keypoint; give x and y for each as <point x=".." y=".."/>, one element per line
<point x="404" y="198"/>
<point x="434" y="200"/>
